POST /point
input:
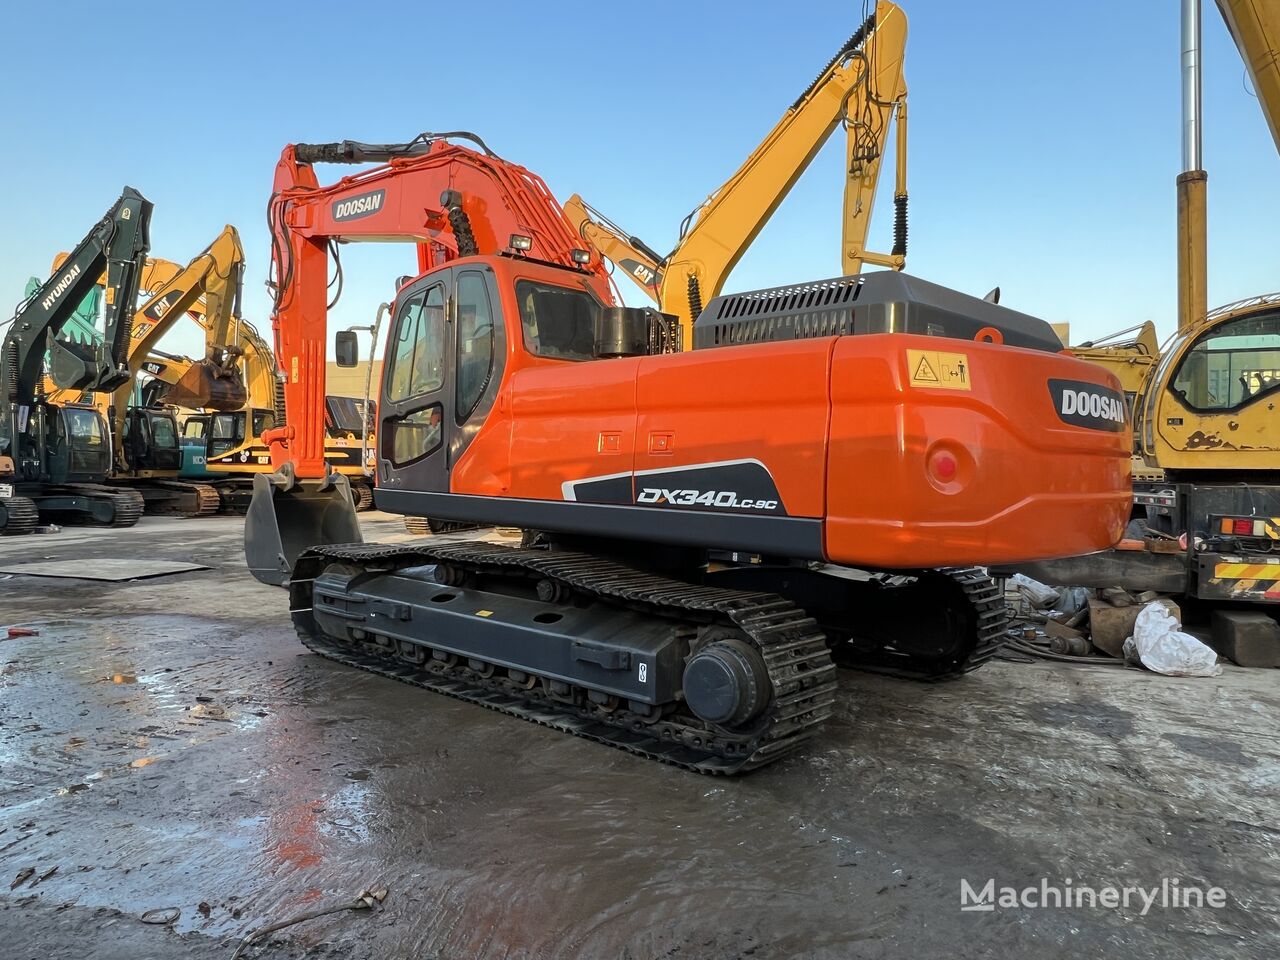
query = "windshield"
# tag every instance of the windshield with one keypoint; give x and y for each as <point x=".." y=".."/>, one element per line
<point x="558" y="321"/>
<point x="85" y="427"/>
<point x="1231" y="365"/>
<point x="163" y="433"/>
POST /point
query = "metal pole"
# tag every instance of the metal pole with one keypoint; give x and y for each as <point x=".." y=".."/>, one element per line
<point x="1191" y="128"/>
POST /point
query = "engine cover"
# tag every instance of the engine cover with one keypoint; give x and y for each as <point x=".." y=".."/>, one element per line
<point x="880" y="302"/>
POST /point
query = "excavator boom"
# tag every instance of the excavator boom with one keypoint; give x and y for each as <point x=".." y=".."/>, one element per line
<point x="861" y="87"/>
<point x="451" y="200"/>
<point x="1255" y="28"/>
<point x="117" y="243"/>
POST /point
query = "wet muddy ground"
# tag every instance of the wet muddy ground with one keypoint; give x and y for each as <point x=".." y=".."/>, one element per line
<point x="167" y="744"/>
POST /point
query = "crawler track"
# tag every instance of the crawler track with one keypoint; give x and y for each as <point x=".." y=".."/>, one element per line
<point x="793" y="648"/>
<point x="977" y="623"/>
<point x="188" y="499"/>
<point x="112" y="506"/>
<point x="18" y="515"/>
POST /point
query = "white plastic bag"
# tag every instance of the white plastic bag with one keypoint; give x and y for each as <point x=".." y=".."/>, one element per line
<point x="1162" y="647"/>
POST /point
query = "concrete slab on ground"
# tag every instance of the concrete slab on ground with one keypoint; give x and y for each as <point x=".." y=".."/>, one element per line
<point x="101" y="568"/>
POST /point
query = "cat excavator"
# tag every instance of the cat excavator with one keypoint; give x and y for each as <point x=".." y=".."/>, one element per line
<point x="144" y="435"/>
<point x="708" y="532"/>
<point x="55" y="457"/>
<point x="863" y="89"/>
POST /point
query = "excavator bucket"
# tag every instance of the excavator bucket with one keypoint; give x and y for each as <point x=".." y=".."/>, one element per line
<point x="287" y="516"/>
<point x="206" y="386"/>
<point x="76" y="365"/>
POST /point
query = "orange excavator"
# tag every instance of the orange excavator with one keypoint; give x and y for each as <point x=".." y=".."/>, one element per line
<point x="708" y="532"/>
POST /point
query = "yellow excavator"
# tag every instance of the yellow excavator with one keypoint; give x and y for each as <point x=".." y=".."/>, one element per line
<point x="862" y="88"/>
<point x="1131" y="354"/>
<point x="144" y="436"/>
<point x="221" y="446"/>
<point x="1206" y="414"/>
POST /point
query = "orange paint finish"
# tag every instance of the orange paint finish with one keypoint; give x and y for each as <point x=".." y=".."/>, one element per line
<point x="902" y="476"/>
<point x="556" y="436"/>
<point x="765" y="401"/>
<point x="924" y="477"/>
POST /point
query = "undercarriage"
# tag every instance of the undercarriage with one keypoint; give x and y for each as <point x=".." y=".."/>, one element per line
<point x="723" y="670"/>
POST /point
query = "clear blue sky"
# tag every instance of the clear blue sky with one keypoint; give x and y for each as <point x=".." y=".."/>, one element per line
<point x="1044" y="137"/>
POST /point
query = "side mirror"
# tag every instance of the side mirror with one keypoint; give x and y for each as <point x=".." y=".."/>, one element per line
<point x="403" y="281"/>
<point x="346" y="348"/>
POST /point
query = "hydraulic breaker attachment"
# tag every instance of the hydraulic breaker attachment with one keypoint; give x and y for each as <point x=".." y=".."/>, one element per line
<point x="288" y="516"/>
<point x="208" y="386"/>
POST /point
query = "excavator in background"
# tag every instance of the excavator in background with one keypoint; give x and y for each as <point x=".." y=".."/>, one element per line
<point x="144" y="435"/>
<point x="862" y="88"/>
<point x="223" y="447"/>
<point x="1205" y="415"/>
<point x="55" y="457"/>
<point x="702" y="544"/>
<point x="1131" y="354"/>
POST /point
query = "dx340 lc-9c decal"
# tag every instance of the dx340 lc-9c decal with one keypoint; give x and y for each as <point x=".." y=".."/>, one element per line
<point x="717" y="499"/>
<point x="729" y="485"/>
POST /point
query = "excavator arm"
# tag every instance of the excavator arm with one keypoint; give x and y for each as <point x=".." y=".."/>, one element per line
<point x="641" y="263"/>
<point x="207" y="288"/>
<point x="451" y="200"/>
<point x="861" y="88"/>
<point x="117" y="243"/>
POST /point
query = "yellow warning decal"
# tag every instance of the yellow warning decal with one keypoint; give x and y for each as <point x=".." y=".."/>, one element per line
<point x="484" y="613"/>
<point x="933" y="368"/>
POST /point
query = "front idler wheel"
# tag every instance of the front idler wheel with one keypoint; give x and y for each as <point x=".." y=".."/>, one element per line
<point x="726" y="684"/>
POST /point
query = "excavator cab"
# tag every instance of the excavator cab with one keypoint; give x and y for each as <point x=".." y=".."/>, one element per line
<point x="77" y="444"/>
<point x="151" y="439"/>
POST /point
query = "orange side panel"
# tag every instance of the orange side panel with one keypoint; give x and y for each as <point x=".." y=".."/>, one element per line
<point x="569" y="421"/>
<point x="929" y="476"/>
<point x="765" y="401"/>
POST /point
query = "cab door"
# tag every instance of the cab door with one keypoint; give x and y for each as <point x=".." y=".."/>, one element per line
<point x="416" y="401"/>
<point x="443" y="361"/>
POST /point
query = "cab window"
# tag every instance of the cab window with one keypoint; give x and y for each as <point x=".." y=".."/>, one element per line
<point x="414" y="436"/>
<point x="417" y="359"/>
<point x="228" y="426"/>
<point x="162" y="432"/>
<point x="475" y="341"/>
<point x="263" y="420"/>
<point x="557" y="321"/>
<point x="1231" y="365"/>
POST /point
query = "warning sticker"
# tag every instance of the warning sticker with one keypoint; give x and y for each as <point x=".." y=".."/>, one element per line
<point x="932" y="368"/>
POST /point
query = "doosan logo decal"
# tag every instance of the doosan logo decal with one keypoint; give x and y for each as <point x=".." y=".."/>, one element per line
<point x="353" y="208"/>
<point x="1088" y="405"/>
